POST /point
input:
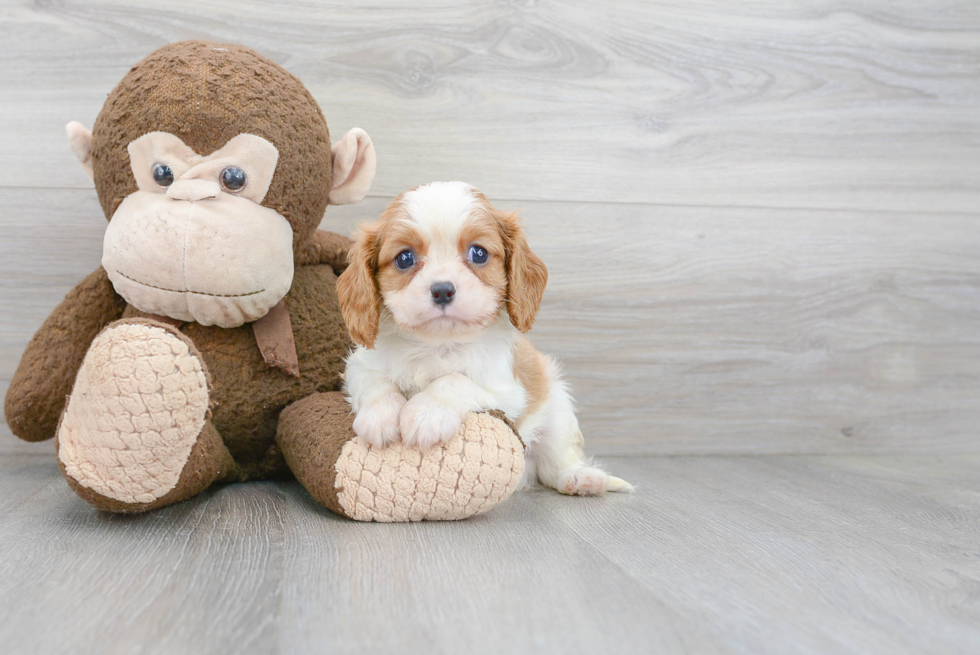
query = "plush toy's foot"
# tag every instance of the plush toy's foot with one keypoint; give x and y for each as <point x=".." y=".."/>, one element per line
<point x="473" y="472"/>
<point x="135" y="433"/>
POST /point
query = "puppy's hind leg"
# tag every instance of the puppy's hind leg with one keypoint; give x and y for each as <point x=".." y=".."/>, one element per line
<point x="557" y="455"/>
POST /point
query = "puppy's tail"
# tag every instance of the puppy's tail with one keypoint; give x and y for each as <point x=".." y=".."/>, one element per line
<point x="618" y="484"/>
<point x="612" y="482"/>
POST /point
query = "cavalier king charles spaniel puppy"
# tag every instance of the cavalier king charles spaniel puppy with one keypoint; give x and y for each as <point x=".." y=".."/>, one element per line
<point x="438" y="295"/>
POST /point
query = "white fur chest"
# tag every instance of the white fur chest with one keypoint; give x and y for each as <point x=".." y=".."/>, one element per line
<point x="443" y="359"/>
<point x="414" y="365"/>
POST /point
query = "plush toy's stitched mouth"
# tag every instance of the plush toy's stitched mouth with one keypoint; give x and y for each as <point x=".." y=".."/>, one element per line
<point x="198" y="293"/>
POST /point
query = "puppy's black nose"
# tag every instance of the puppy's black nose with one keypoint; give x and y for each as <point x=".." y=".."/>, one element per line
<point x="442" y="292"/>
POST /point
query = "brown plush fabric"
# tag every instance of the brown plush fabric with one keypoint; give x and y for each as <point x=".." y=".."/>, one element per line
<point x="205" y="94"/>
<point x="248" y="394"/>
<point x="47" y="370"/>
<point x="326" y="248"/>
<point x="274" y="337"/>
<point x="311" y="434"/>
<point x="209" y="462"/>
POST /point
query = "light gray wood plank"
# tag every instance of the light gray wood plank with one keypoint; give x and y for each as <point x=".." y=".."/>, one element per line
<point x="198" y="577"/>
<point x="707" y="330"/>
<point x="801" y="554"/>
<point x="683" y="330"/>
<point x="702" y="330"/>
<point x="23" y="475"/>
<point x="513" y="580"/>
<point x="772" y="554"/>
<point x="864" y="104"/>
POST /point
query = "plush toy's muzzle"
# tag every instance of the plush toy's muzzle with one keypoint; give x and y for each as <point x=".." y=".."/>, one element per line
<point x="199" y="260"/>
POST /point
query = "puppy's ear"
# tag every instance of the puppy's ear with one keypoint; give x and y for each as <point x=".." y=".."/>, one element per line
<point x="527" y="275"/>
<point x="357" y="289"/>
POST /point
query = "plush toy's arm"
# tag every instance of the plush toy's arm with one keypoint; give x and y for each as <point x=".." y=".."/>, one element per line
<point x="326" y="248"/>
<point x="47" y="370"/>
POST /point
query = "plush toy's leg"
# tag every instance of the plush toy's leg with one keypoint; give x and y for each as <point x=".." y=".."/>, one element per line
<point x="311" y="435"/>
<point x="135" y="434"/>
<point x="473" y="472"/>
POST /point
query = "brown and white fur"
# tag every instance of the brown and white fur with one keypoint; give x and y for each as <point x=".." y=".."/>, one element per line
<point x="425" y="360"/>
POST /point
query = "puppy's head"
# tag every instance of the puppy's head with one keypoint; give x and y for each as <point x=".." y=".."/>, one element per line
<point x="443" y="262"/>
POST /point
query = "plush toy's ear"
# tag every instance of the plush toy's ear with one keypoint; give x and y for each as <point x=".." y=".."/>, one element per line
<point x="80" y="140"/>
<point x="360" y="301"/>
<point x="354" y="163"/>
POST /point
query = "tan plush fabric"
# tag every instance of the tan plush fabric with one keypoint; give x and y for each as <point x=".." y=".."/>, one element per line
<point x="472" y="473"/>
<point x="255" y="155"/>
<point x="139" y="403"/>
<point x="354" y="165"/>
<point x="208" y="462"/>
<point x="222" y="262"/>
<point x="469" y="475"/>
<point x="80" y="140"/>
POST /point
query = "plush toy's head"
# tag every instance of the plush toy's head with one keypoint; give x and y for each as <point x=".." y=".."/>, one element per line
<point x="214" y="167"/>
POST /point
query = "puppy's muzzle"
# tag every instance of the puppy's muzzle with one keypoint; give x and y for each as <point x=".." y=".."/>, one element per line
<point x="442" y="293"/>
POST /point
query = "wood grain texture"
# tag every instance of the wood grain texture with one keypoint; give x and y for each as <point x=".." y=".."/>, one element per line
<point x="198" y="577"/>
<point x="706" y="330"/>
<point x="476" y="586"/>
<point x="801" y="554"/>
<point x="682" y="329"/>
<point x="868" y="104"/>
<point x="762" y="223"/>
<point x="748" y="555"/>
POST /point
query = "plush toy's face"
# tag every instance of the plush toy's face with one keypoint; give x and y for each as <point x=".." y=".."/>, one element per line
<point x="194" y="242"/>
<point x="214" y="166"/>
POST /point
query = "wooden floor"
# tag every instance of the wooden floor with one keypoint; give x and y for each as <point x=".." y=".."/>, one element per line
<point x="713" y="554"/>
<point x="762" y="222"/>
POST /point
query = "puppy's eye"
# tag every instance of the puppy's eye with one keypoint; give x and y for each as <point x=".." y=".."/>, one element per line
<point x="405" y="260"/>
<point x="233" y="179"/>
<point x="162" y="175"/>
<point x="478" y="255"/>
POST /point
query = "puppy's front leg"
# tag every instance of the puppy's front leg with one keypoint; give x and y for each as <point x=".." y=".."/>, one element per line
<point x="435" y="414"/>
<point x="376" y="400"/>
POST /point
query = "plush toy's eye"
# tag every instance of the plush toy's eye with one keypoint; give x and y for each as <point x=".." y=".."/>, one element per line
<point x="405" y="260"/>
<point x="478" y="255"/>
<point x="162" y="175"/>
<point x="233" y="179"/>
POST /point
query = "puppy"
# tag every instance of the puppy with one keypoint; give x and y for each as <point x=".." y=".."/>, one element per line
<point x="438" y="294"/>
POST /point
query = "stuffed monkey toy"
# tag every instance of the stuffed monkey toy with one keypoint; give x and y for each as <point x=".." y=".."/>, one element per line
<point x="209" y="346"/>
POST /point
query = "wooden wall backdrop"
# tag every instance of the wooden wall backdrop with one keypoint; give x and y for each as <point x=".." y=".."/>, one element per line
<point x="762" y="219"/>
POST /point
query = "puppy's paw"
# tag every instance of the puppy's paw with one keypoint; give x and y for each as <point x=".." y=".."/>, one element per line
<point x="377" y="423"/>
<point x="425" y="423"/>
<point x="589" y="481"/>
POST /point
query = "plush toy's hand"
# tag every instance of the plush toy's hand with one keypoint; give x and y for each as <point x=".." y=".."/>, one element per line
<point x="377" y="423"/>
<point x="44" y="378"/>
<point x="425" y="421"/>
<point x="326" y="248"/>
